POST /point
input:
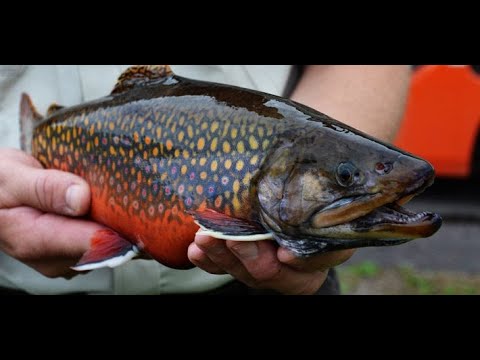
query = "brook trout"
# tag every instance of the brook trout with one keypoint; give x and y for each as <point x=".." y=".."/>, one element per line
<point x="167" y="156"/>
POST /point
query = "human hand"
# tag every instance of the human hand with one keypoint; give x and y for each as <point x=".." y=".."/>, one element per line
<point x="263" y="265"/>
<point x="36" y="210"/>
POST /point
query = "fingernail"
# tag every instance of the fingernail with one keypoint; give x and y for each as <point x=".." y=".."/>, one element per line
<point x="73" y="198"/>
<point x="247" y="250"/>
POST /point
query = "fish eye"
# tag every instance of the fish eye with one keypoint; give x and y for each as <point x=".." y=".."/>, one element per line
<point x="347" y="174"/>
<point x="383" y="168"/>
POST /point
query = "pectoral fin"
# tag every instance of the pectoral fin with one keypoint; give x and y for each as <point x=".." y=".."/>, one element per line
<point x="221" y="226"/>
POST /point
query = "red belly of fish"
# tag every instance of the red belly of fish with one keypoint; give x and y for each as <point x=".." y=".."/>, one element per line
<point x="165" y="241"/>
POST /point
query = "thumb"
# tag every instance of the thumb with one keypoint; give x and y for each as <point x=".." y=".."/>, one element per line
<point x="52" y="191"/>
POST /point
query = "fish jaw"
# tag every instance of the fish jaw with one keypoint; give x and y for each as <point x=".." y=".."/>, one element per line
<point x="393" y="222"/>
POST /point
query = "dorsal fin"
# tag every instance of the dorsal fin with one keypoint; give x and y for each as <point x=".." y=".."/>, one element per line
<point x="53" y="107"/>
<point x="28" y="117"/>
<point x="140" y="75"/>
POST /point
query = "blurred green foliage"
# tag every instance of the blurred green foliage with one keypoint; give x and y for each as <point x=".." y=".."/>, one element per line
<point x="370" y="278"/>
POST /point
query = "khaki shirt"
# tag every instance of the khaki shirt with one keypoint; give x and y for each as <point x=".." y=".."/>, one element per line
<point x="72" y="84"/>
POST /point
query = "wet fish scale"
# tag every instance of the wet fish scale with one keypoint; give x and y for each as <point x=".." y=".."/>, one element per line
<point x="147" y="162"/>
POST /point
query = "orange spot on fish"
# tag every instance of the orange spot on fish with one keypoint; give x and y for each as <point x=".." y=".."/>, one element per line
<point x="226" y="147"/>
<point x="201" y="143"/>
<point x="214" y="165"/>
<point x="236" y="186"/>
<point x="213" y="144"/>
<point x="265" y="144"/>
<point x="252" y="141"/>
<point x="180" y="136"/>
<point x="239" y="165"/>
<point x="214" y="126"/>
<point x="240" y="147"/>
<point x="247" y="179"/>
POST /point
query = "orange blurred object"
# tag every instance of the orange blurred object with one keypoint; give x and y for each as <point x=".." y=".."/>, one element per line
<point x="442" y="119"/>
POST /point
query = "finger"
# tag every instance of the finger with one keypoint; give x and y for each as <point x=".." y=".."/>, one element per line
<point x="316" y="262"/>
<point x="55" y="268"/>
<point x="218" y="253"/>
<point x="49" y="190"/>
<point x="200" y="259"/>
<point x="258" y="257"/>
<point x="30" y="235"/>
<point x="260" y="261"/>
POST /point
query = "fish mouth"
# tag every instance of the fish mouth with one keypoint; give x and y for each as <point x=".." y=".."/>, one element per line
<point x="377" y="216"/>
<point x="393" y="221"/>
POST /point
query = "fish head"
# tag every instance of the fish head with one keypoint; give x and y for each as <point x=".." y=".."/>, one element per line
<point x="344" y="188"/>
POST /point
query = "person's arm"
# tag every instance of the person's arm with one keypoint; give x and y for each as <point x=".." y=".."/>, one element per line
<point x="369" y="98"/>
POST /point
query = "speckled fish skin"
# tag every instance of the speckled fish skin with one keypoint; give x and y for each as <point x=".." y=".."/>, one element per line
<point x="152" y="153"/>
<point x="155" y="152"/>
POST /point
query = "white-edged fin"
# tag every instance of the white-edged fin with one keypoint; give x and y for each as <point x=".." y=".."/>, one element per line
<point x="111" y="263"/>
<point x="222" y="226"/>
<point x="107" y="249"/>
<point x="219" y="235"/>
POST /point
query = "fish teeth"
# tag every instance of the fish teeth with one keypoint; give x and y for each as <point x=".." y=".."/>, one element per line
<point x="406" y="219"/>
<point x="418" y="216"/>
